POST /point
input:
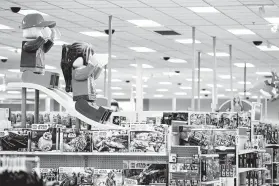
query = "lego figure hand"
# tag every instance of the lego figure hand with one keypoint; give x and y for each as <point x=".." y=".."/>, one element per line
<point x="92" y="60"/>
<point x="46" y="33"/>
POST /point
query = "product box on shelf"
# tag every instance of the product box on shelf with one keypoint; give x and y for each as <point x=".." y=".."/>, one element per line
<point x="210" y="169"/>
<point x="203" y="138"/>
<point x="44" y="137"/>
<point x="14" y="139"/>
<point x="198" y="118"/>
<point x="168" y="117"/>
<point x="81" y="176"/>
<point x="244" y="119"/>
<point x="224" y="139"/>
<point x="72" y="140"/>
<point x="227" y="165"/>
<point x="148" y="138"/>
<point x="145" y="173"/>
<point x="49" y="174"/>
<point x="224" y="120"/>
<point x="110" y="141"/>
<point x="108" y="177"/>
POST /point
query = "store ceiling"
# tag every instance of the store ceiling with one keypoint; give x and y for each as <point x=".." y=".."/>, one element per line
<point x="73" y="17"/>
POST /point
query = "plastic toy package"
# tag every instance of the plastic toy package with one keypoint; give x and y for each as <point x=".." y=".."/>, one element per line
<point x="118" y="120"/>
<point x="49" y="174"/>
<point x="244" y="119"/>
<point x="110" y="141"/>
<point x="198" y="118"/>
<point x="44" y="137"/>
<point x="73" y="140"/>
<point x="107" y="177"/>
<point x="168" y="117"/>
<point x="210" y="169"/>
<point x="226" y="120"/>
<point x="203" y="138"/>
<point x="145" y="173"/>
<point x="224" y="138"/>
<point x="78" y="176"/>
<point x="14" y="140"/>
<point x="148" y="138"/>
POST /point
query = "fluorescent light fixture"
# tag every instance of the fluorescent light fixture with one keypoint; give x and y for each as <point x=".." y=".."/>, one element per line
<point x="175" y="60"/>
<point x="196" y="80"/>
<point x="143" y="65"/>
<point x="256" y="97"/>
<point x="25" y="12"/>
<point x="171" y="74"/>
<point x="226" y="77"/>
<point x="162" y="90"/>
<point x="99" y="90"/>
<point x="242" y="82"/>
<point x="136" y="92"/>
<point x="118" y="94"/>
<point x="143" y="78"/>
<point x="116" y="80"/>
<point x="219" y="54"/>
<point x="60" y="43"/>
<point x="187" y="41"/>
<point x="15" y="50"/>
<point x="272" y="20"/>
<point x="242" y="65"/>
<point x="4" y="27"/>
<point x="13" y="92"/>
<point x="268" y="49"/>
<point x="241" y="32"/>
<point x="94" y="34"/>
<point x="165" y="83"/>
<point x="145" y="23"/>
<point x="185" y="88"/>
<point x="48" y="67"/>
<point x="211" y="85"/>
<point x="197" y="97"/>
<point x="2" y="75"/>
<point x="142" y="49"/>
<point x="2" y="57"/>
<point x="205" y="69"/>
<point x="221" y="95"/>
<point x="30" y="90"/>
<point x="264" y="73"/>
<point x="158" y="95"/>
<point x="100" y="96"/>
<point x="116" y="88"/>
<point x="242" y="93"/>
<point x="14" y="70"/>
<point x="208" y="9"/>
<point x="180" y="93"/>
<point x="229" y="90"/>
<point x="144" y="86"/>
<point x="205" y="92"/>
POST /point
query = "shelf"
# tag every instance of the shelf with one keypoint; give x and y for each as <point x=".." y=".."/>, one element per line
<point x="223" y="148"/>
<point x="210" y="155"/>
<point x="210" y="182"/>
<point x="215" y="129"/>
<point x="241" y="170"/>
<point x="78" y="154"/>
<point x="271" y="145"/>
<point x="247" y="151"/>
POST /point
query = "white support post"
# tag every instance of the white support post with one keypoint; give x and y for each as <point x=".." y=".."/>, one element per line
<point x="109" y="63"/>
<point x="139" y="98"/>
<point x="173" y="104"/>
<point x="47" y="104"/>
<point x="265" y="108"/>
<point x="231" y="78"/>
<point x="193" y="67"/>
<point x="199" y="81"/>
<point x="105" y="82"/>
<point x="214" y="95"/>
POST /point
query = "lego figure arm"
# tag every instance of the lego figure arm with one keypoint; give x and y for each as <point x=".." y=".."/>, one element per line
<point x="31" y="46"/>
<point x="97" y="72"/>
<point x="48" y="45"/>
<point x="84" y="72"/>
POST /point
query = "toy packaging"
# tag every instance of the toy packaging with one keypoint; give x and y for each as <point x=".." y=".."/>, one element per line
<point x="146" y="173"/>
<point x="148" y="138"/>
<point x="49" y="174"/>
<point x="226" y="120"/>
<point x="14" y="140"/>
<point x="73" y="140"/>
<point x="224" y="138"/>
<point x="44" y="137"/>
<point x="107" y="177"/>
<point x="210" y="169"/>
<point x="198" y="118"/>
<point x="203" y="138"/>
<point x="177" y="116"/>
<point x="77" y="176"/>
<point x="244" y="119"/>
<point x="118" y="120"/>
<point x="110" y="141"/>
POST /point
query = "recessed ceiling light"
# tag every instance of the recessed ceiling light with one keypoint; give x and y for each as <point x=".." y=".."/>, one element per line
<point x="2" y="57"/>
<point x="272" y="20"/>
<point x="94" y="34"/>
<point x="14" y="70"/>
<point x="208" y="9"/>
<point x="98" y="90"/>
<point x="205" y="92"/>
<point x="242" y="82"/>
<point x="219" y="54"/>
<point x="242" y="65"/>
<point x="25" y="12"/>
<point x="48" y="67"/>
<point x="267" y="48"/>
<point x="143" y="65"/>
<point x="205" y="69"/>
<point x="264" y="73"/>
<point x="180" y="93"/>
<point x="221" y="95"/>
<point x="142" y="49"/>
<point x="4" y="27"/>
<point x="165" y="83"/>
<point x="241" y="32"/>
<point x="145" y="23"/>
<point x="60" y="43"/>
<point x="211" y="85"/>
<point x="118" y="94"/>
<point x="185" y="88"/>
<point x="228" y="89"/>
<point x="13" y="92"/>
<point x="158" y="95"/>
<point x="226" y="77"/>
<point x="187" y="41"/>
<point x="116" y="88"/>
<point x="175" y="60"/>
<point x="242" y="93"/>
<point x="162" y="90"/>
<point x="196" y="80"/>
<point x="115" y="80"/>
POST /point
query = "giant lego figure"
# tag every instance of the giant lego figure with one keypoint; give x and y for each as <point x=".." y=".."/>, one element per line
<point x="40" y="35"/>
<point x="81" y="69"/>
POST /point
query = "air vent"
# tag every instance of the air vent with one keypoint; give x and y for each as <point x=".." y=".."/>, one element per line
<point x="167" y="32"/>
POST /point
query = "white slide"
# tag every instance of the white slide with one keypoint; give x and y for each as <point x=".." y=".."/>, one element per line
<point x="65" y="100"/>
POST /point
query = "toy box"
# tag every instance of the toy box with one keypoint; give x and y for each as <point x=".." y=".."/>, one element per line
<point x="110" y="141"/>
<point x="73" y="140"/>
<point x="77" y="176"/>
<point x="14" y="140"/>
<point x="244" y="119"/>
<point x="198" y="118"/>
<point x="107" y="177"/>
<point x="49" y="174"/>
<point x="168" y="117"/>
